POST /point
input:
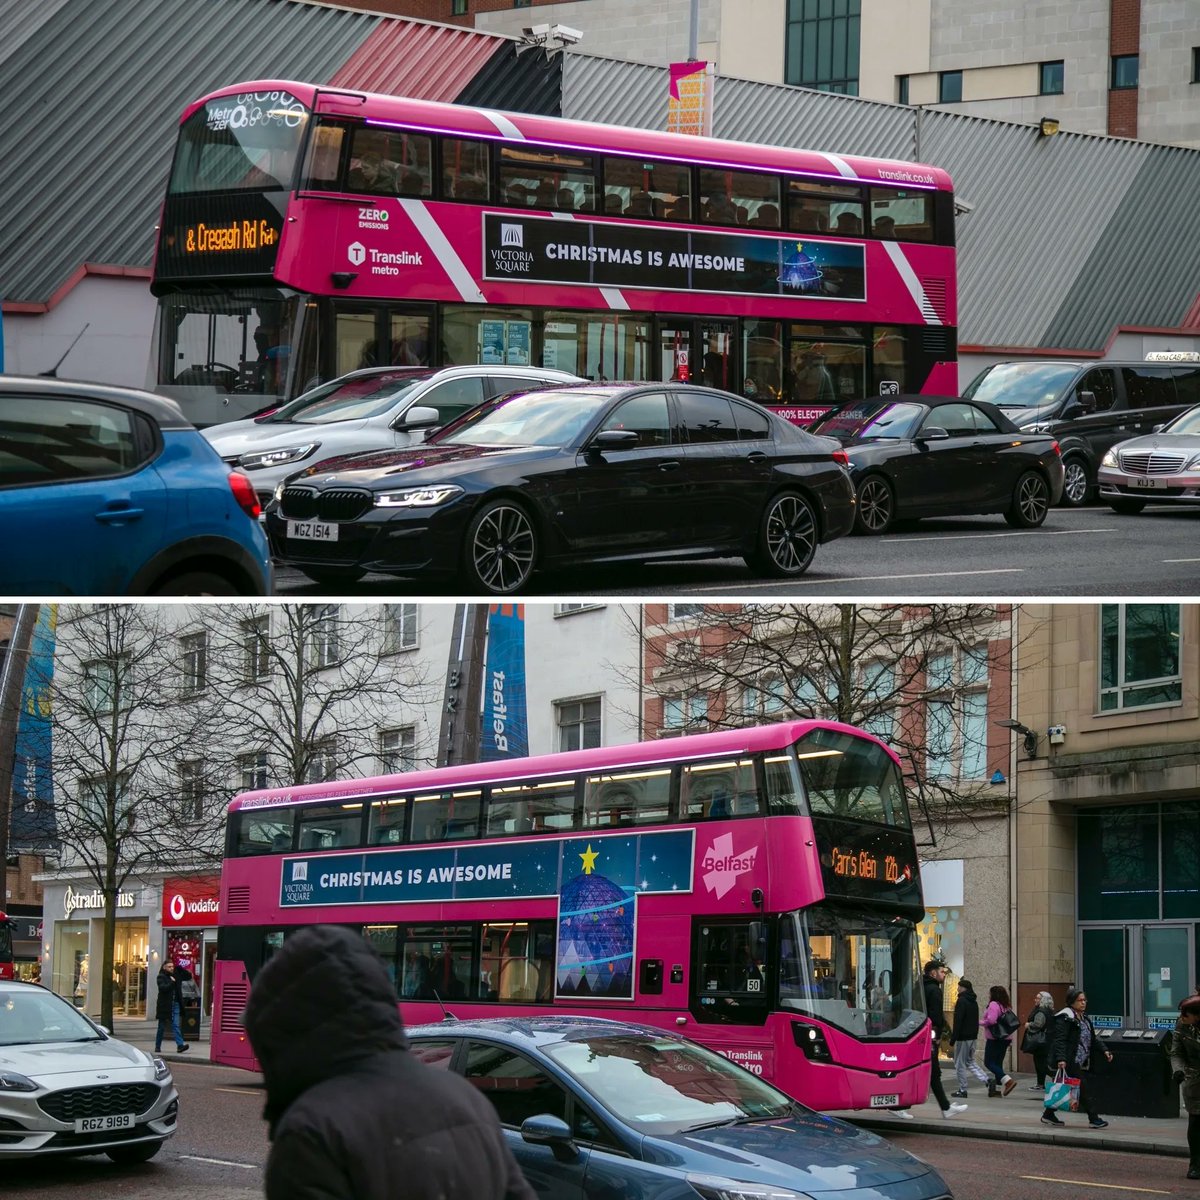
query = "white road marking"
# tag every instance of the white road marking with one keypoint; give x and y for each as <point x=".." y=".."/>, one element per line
<point x="1117" y="1187"/>
<point x="220" y="1162"/>
<point x="1181" y="560"/>
<point x="966" y="537"/>
<point x="238" y="1091"/>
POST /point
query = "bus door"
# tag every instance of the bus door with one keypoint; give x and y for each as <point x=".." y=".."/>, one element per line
<point x="700" y="351"/>
<point x="379" y="335"/>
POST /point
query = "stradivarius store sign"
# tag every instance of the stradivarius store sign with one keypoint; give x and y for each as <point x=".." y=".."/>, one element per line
<point x="75" y="901"/>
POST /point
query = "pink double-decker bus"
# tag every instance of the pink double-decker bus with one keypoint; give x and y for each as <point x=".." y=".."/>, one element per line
<point x="309" y="231"/>
<point x="754" y="889"/>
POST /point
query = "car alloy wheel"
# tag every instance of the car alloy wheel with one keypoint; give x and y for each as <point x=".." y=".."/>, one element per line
<point x="1030" y="503"/>
<point x="876" y="506"/>
<point x="502" y="548"/>
<point x="1076" y="484"/>
<point x="789" y="535"/>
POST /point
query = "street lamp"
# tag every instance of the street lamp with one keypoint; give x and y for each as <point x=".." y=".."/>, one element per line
<point x="1030" y="736"/>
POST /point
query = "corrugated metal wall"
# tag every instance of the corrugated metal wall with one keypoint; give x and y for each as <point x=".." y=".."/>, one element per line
<point x="529" y="82"/>
<point x="1070" y="237"/>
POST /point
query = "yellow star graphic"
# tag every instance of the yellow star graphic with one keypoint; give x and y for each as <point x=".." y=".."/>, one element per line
<point x="589" y="857"/>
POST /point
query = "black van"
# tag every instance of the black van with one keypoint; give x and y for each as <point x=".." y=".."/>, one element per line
<point x="1090" y="406"/>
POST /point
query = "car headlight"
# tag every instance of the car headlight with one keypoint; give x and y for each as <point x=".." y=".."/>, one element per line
<point x="276" y="458"/>
<point x="161" y="1070"/>
<point x="427" y="497"/>
<point x="277" y="495"/>
<point x="1110" y="459"/>
<point x="1192" y="462"/>
<point x="713" y="1187"/>
<point x="10" y="1081"/>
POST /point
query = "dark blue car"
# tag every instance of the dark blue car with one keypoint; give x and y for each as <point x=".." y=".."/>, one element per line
<point x="106" y="491"/>
<point x="604" y="1110"/>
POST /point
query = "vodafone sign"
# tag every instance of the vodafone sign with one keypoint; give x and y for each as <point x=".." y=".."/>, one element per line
<point x="191" y="902"/>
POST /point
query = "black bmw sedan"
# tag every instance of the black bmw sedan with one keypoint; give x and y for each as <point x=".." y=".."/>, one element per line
<point x="570" y="475"/>
<point x="933" y="456"/>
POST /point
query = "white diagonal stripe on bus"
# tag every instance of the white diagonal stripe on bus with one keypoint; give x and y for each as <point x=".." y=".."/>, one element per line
<point x="503" y="124"/>
<point x="445" y="253"/>
<point x="844" y="168"/>
<point x="909" y="276"/>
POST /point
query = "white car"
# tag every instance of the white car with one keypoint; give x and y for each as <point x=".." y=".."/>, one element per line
<point x="67" y="1087"/>
<point x="380" y="408"/>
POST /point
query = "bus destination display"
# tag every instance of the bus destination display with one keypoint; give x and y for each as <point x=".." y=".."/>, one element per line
<point x="867" y="862"/>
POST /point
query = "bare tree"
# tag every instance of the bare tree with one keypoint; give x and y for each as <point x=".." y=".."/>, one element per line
<point x="306" y="687"/>
<point x="124" y="719"/>
<point x="927" y="679"/>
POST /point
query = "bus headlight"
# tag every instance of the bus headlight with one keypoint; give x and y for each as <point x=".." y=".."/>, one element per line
<point x="713" y="1187"/>
<point x="428" y="497"/>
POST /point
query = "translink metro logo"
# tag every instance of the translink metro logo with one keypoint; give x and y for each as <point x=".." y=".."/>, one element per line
<point x="356" y="252"/>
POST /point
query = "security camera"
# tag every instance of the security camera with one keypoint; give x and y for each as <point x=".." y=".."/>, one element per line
<point x="567" y="35"/>
<point x="1057" y="734"/>
<point x="962" y="208"/>
<point x="536" y="31"/>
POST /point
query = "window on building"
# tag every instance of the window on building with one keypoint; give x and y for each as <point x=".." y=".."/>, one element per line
<point x="399" y="628"/>
<point x="950" y="87"/>
<point x="256" y="654"/>
<point x="578" y="723"/>
<point x="569" y="607"/>
<point x="106" y="682"/>
<point x="684" y="612"/>
<point x="193" y="651"/>
<point x="252" y="771"/>
<point x="191" y="788"/>
<point x="1139" y="656"/>
<point x="322" y="760"/>
<point x="94" y="801"/>
<point x="1124" y="72"/>
<point x="1196" y="64"/>
<point x="325" y="650"/>
<point x="822" y="44"/>
<point x="458" y="8"/>
<point x="956" y="714"/>
<point x="685" y="712"/>
<point x="878" y="685"/>
<point x="397" y="750"/>
<point x="1051" y="80"/>
<point x="901" y="89"/>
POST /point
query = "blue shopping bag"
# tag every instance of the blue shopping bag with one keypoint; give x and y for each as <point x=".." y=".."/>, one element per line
<point x="1062" y="1093"/>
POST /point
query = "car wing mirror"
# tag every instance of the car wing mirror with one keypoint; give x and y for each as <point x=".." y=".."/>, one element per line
<point x="547" y="1130"/>
<point x="1087" y="401"/>
<point x="420" y="416"/>
<point x="613" y="439"/>
<point x="1157" y="428"/>
<point x="934" y="433"/>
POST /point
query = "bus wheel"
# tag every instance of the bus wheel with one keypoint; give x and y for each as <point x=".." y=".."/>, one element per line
<point x="1030" y="502"/>
<point x="1077" y="488"/>
<point x="787" y="538"/>
<point x="501" y="550"/>
<point x="876" y="506"/>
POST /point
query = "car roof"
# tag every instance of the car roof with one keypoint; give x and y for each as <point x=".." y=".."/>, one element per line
<point x="160" y="409"/>
<point x="540" y="1031"/>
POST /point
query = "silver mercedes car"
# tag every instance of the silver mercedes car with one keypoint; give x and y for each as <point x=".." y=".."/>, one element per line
<point x="1162" y="467"/>
<point x="377" y="408"/>
<point x="67" y="1087"/>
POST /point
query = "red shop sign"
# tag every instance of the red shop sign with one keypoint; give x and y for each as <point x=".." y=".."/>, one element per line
<point x="191" y="902"/>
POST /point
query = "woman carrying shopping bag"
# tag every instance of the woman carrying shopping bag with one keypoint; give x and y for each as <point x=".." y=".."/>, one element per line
<point x="1076" y="1051"/>
<point x="1185" y="1061"/>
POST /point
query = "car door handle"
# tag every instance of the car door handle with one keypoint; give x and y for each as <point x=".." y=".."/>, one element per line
<point x="756" y="456"/>
<point x="111" y="516"/>
<point x="670" y="465"/>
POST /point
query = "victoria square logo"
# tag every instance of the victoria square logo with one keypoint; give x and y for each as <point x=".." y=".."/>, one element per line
<point x="721" y="866"/>
<point x="512" y="235"/>
<point x="356" y="253"/>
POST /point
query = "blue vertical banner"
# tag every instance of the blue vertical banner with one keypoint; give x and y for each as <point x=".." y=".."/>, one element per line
<point x="505" y="709"/>
<point x="33" y="824"/>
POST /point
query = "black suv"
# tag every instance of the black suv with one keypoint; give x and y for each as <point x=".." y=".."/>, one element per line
<point x="1090" y="406"/>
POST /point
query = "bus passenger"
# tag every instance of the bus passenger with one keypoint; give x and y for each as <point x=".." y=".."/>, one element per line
<point x="350" y="1110"/>
<point x="849" y="225"/>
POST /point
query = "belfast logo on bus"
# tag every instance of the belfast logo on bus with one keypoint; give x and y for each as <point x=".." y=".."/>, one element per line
<point x="722" y="867"/>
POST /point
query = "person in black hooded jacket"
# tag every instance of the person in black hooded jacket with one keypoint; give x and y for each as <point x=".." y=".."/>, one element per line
<point x="352" y="1115"/>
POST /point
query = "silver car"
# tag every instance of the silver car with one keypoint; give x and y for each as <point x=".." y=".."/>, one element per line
<point x="1162" y="467"/>
<point x="381" y="408"/>
<point x="67" y="1087"/>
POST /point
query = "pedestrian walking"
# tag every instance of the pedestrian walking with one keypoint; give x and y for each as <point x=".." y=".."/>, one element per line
<point x="933" y="977"/>
<point x="1034" y="1040"/>
<point x="1185" y="1062"/>
<point x="1075" y="1049"/>
<point x="999" y="1023"/>
<point x="352" y="1115"/>
<point x="964" y="1032"/>
<point x="168" y="1007"/>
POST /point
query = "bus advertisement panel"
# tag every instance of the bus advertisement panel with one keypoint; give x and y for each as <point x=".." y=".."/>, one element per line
<point x="755" y="889"/>
<point x="306" y="233"/>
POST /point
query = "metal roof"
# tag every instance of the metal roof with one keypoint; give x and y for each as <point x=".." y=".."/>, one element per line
<point x="1069" y="237"/>
<point x="525" y="82"/>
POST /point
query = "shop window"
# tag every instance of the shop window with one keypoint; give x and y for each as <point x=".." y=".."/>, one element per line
<point x="547" y="179"/>
<point x="1139" y="656"/>
<point x="390" y="162"/>
<point x="1181" y="859"/>
<point x="739" y="198"/>
<point x="645" y="189"/>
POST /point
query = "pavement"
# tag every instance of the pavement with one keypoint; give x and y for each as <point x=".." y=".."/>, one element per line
<point x="1017" y="1117"/>
<point x="141" y="1033"/>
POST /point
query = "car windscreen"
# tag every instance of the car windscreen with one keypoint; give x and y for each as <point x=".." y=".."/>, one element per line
<point x="665" y="1085"/>
<point x="348" y="400"/>
<point x="1188" y="422"/>
<point x="36" y="1017"/>
<point x="1021" y="385"/>
<point x="542" y="418"/>
<point x="870" y="419"/>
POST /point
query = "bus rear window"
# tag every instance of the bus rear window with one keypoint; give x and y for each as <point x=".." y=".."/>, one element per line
<point x="852" y="778"/>
<point x="904" y="215"/>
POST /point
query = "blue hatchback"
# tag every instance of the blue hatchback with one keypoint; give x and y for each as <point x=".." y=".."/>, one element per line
<point x="105" y="491"/>
<point x="595" y="1109"/>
